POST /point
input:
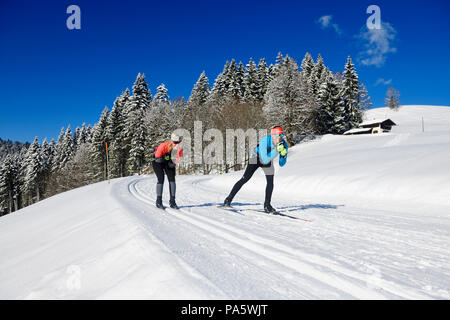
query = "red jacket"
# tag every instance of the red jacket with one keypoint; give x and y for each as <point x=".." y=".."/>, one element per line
<point x="165" y="149"/>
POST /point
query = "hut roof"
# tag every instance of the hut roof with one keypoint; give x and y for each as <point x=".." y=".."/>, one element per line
<point x="370" y="123"/>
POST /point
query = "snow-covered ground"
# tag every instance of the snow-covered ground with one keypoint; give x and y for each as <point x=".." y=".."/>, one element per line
<point x="375" y="213"/>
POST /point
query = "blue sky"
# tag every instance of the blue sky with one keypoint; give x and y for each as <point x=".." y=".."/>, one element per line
<point x="51" y="76"/>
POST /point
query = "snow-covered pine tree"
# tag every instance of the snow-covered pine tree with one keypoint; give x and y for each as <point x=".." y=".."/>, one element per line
<point x="136" y="106"/>
<point x="82" y="136"/>
<point x="196" y="105"/>
<point x="67" y="148"/>
<point x="47" y="150"/>
<point x="307" y="66"/>
<point x="136" y="154"/>
<point x="330" y="114"/>
<point x="350" y="90"/>
<point x="98" y="146"/>
<point x="252" y="82"/>
<point x="200" y="92"/>
<point x="76" y="137"/>
<point x="279" y="62"/>
<point x="7" y="176"/>
<point x="58" y="153"/>
<point x="316" y="77"/>
<point x="240" y="80"/>
<point x="20" y="164"/>
<point x="161" y="94"/>
<point x="11" y="182"/>
<point x="114" y="135"/>
<point x="89" y="133"/>
<point x="234" y="81"/>
<point x="32" y="171"/>
<point x="141" y="92"/>
<point x="218" y="93"/>
<point x="285" y="102"/>
<point x="263" y="78"/>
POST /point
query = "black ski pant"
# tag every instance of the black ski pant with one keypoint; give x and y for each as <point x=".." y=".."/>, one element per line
<point x="253" y="165"/>
<point x="167" y="167"/>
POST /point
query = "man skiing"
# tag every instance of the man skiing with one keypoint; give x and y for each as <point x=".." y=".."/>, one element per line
<point x="267" y="150"/>
<point x="164" y="162"/>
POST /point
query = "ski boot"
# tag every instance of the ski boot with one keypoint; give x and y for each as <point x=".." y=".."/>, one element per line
<point x="159" y="203"/>
<point x="227" y="203"/>
<point x="269" y="209"/>
<point x="173" y="204"/>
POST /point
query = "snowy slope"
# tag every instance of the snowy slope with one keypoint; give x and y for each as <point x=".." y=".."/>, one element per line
<point x="376" y="225"/>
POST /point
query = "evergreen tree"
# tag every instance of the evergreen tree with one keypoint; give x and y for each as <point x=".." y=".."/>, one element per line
<point x="47" y="154"/>
<point x="223" y="81"/>
<point x="218" y="96"/>
<point x="240" y="80"/>
<point x="252" y="82"/>
<point x="263" y="78"/>
<point x="137" y="142"/>
<point x="76" y="137"/>
<point x="161" y="94"/>
<point x="279" y="62"/>
<point x="58" y="154"/>
<point x="89" y="133"/>
<point x="307" y="66"/>
<point x="98" y="145"/>
<point x="114" y="135"/>
<point x="235" y="78"/>
<point x="10" y="182"/>
<point x="330" y="115"/>
<point x="33" y="169"/>
<point x="67" y="148"/>
<point x="200" y="92"/>
<point x="316" y="78"/>
<point x="8" y="175"/>
<point x="135" y="131"/>
<point x="82" y="136"/>
<point x="350" y="91"/>
<point x="141" y="93"/>
<point x="286" y="104"/>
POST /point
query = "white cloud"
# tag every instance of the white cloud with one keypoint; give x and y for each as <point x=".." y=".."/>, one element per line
<point x="325" y="22"/>
<point x="377" y="44"/>
<point x="383" y="82"/>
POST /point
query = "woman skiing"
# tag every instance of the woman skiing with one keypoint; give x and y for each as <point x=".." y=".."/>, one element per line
<point x="267" y="150"/>
<point x="167" y="155"/>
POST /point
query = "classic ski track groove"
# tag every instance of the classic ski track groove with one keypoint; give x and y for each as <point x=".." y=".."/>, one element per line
<point x="285" y="255"/>
<point x="275" y="278"/>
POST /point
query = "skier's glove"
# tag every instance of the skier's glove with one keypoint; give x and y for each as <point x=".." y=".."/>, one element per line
<point x="282" y="149"/>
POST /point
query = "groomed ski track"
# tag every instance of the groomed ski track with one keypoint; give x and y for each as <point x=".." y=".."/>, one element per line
<point x="258" y="256"/>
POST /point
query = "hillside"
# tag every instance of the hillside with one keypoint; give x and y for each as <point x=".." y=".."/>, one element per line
<point x="374" y="223"/>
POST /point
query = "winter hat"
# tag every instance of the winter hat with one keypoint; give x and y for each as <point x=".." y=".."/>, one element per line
<point x="175" y="138"/>
<point x="277" y="130"/>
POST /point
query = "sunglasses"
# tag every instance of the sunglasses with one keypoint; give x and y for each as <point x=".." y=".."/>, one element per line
<point x="280" y="135"/>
